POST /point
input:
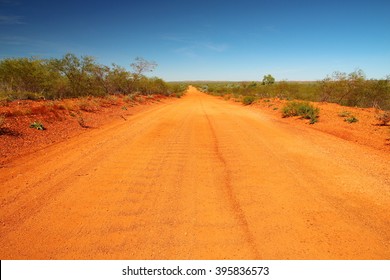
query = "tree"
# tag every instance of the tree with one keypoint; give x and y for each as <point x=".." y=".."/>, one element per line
<point x="268" y="80"/>
<point x="79" y="72"/>
<point x="141" y="65"/>
<point x="118" y="80"/>
<point x="357" y="88"/>
<point x="25" y="76"/>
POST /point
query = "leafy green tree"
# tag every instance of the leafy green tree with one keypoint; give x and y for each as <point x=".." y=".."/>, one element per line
<point x="379" y="93"/>
<point x="28" y="77"/>
<point x="286" y="90"/>
<point x="335" y="87"/>
<point x="268" y="80"/>
<point x="79" y="72"/>
<point x="119" y="80"/>
<point x="354" y="89"/>
<point x="141" y="66"/>
<point x="346" y="89"/>
<point x="72" y="76"/>
<point x="357" y="88"/>
<point x="158" y="85"/>
<point x="99" y="79"/>
<point x="84" y="76"/>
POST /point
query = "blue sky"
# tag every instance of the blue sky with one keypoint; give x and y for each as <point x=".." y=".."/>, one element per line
<point x="207" y="40"/>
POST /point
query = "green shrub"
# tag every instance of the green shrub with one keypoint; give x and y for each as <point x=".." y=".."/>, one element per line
<point x="227" y="96"/>
<point x="303" y="109"/>
<point x="383" y="118"/>
<point x="37" y="125"/>
<point x="247" y="100"/>
<point x="179" y="94"/>
<point x="348" y="117"/>
<point x="73" y="76"/>
<point x="351" y="119"/>
<point x="130" y="97"/>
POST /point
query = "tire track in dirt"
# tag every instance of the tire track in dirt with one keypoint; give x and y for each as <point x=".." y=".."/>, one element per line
<point x="323" y="200"/>
<point x="25" y="200"/>
<point x="236" y="208"/>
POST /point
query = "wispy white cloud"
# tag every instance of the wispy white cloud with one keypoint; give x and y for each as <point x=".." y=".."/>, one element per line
<point x="214" y="47"/>
<point x="187" y="51"/>
<point x="191" y="48"/>
<point x="32" y="46"/>
<point x="173" y="38"/>
<point x="17" y="40"/>
<point x="10" y="20"/>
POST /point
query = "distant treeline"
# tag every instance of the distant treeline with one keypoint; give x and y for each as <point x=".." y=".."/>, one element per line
<point x="72" y="76"/>
<point x="346" y="89"/>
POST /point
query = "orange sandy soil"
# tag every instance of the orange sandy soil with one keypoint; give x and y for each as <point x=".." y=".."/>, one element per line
<point x="197" y="178"/>
<point x="367" y="131"/>
<point x="62" y="120"/>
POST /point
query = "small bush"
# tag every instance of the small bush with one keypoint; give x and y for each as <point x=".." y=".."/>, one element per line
<point x="351" y="119"/>
<point x="227" y="96"/>
<point x="27" y="95"/>
<point x="383" y="118"/>
<point x="37" y="125"/>
<point x="303" y="109"/>
<point x="247" y="100"/>
<point x="130" y="97"/>
<point x="179" y="94"/>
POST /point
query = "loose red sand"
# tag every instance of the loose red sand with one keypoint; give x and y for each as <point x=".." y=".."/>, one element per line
<point x="197" y="178"/>
<point x="62" y="120"/>
<point x="70" y="117"/>
<point x="367" y="131"/>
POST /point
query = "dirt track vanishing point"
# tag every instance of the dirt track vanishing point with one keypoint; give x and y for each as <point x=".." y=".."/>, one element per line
<point x="198" y="178"/>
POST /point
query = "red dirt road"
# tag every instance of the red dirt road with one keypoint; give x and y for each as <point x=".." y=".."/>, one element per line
<point x="199" y="178"/>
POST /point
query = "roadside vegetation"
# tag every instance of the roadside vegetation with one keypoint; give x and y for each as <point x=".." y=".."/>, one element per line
<point x="383" y="118"/>
<point x="302" y="109"/>
<point x="351" y="89"/>
<point x="249" y="99"/>
<point x="72" y="76"/>
<point x="73" y="88"/>
<point x="37" y="125"/>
